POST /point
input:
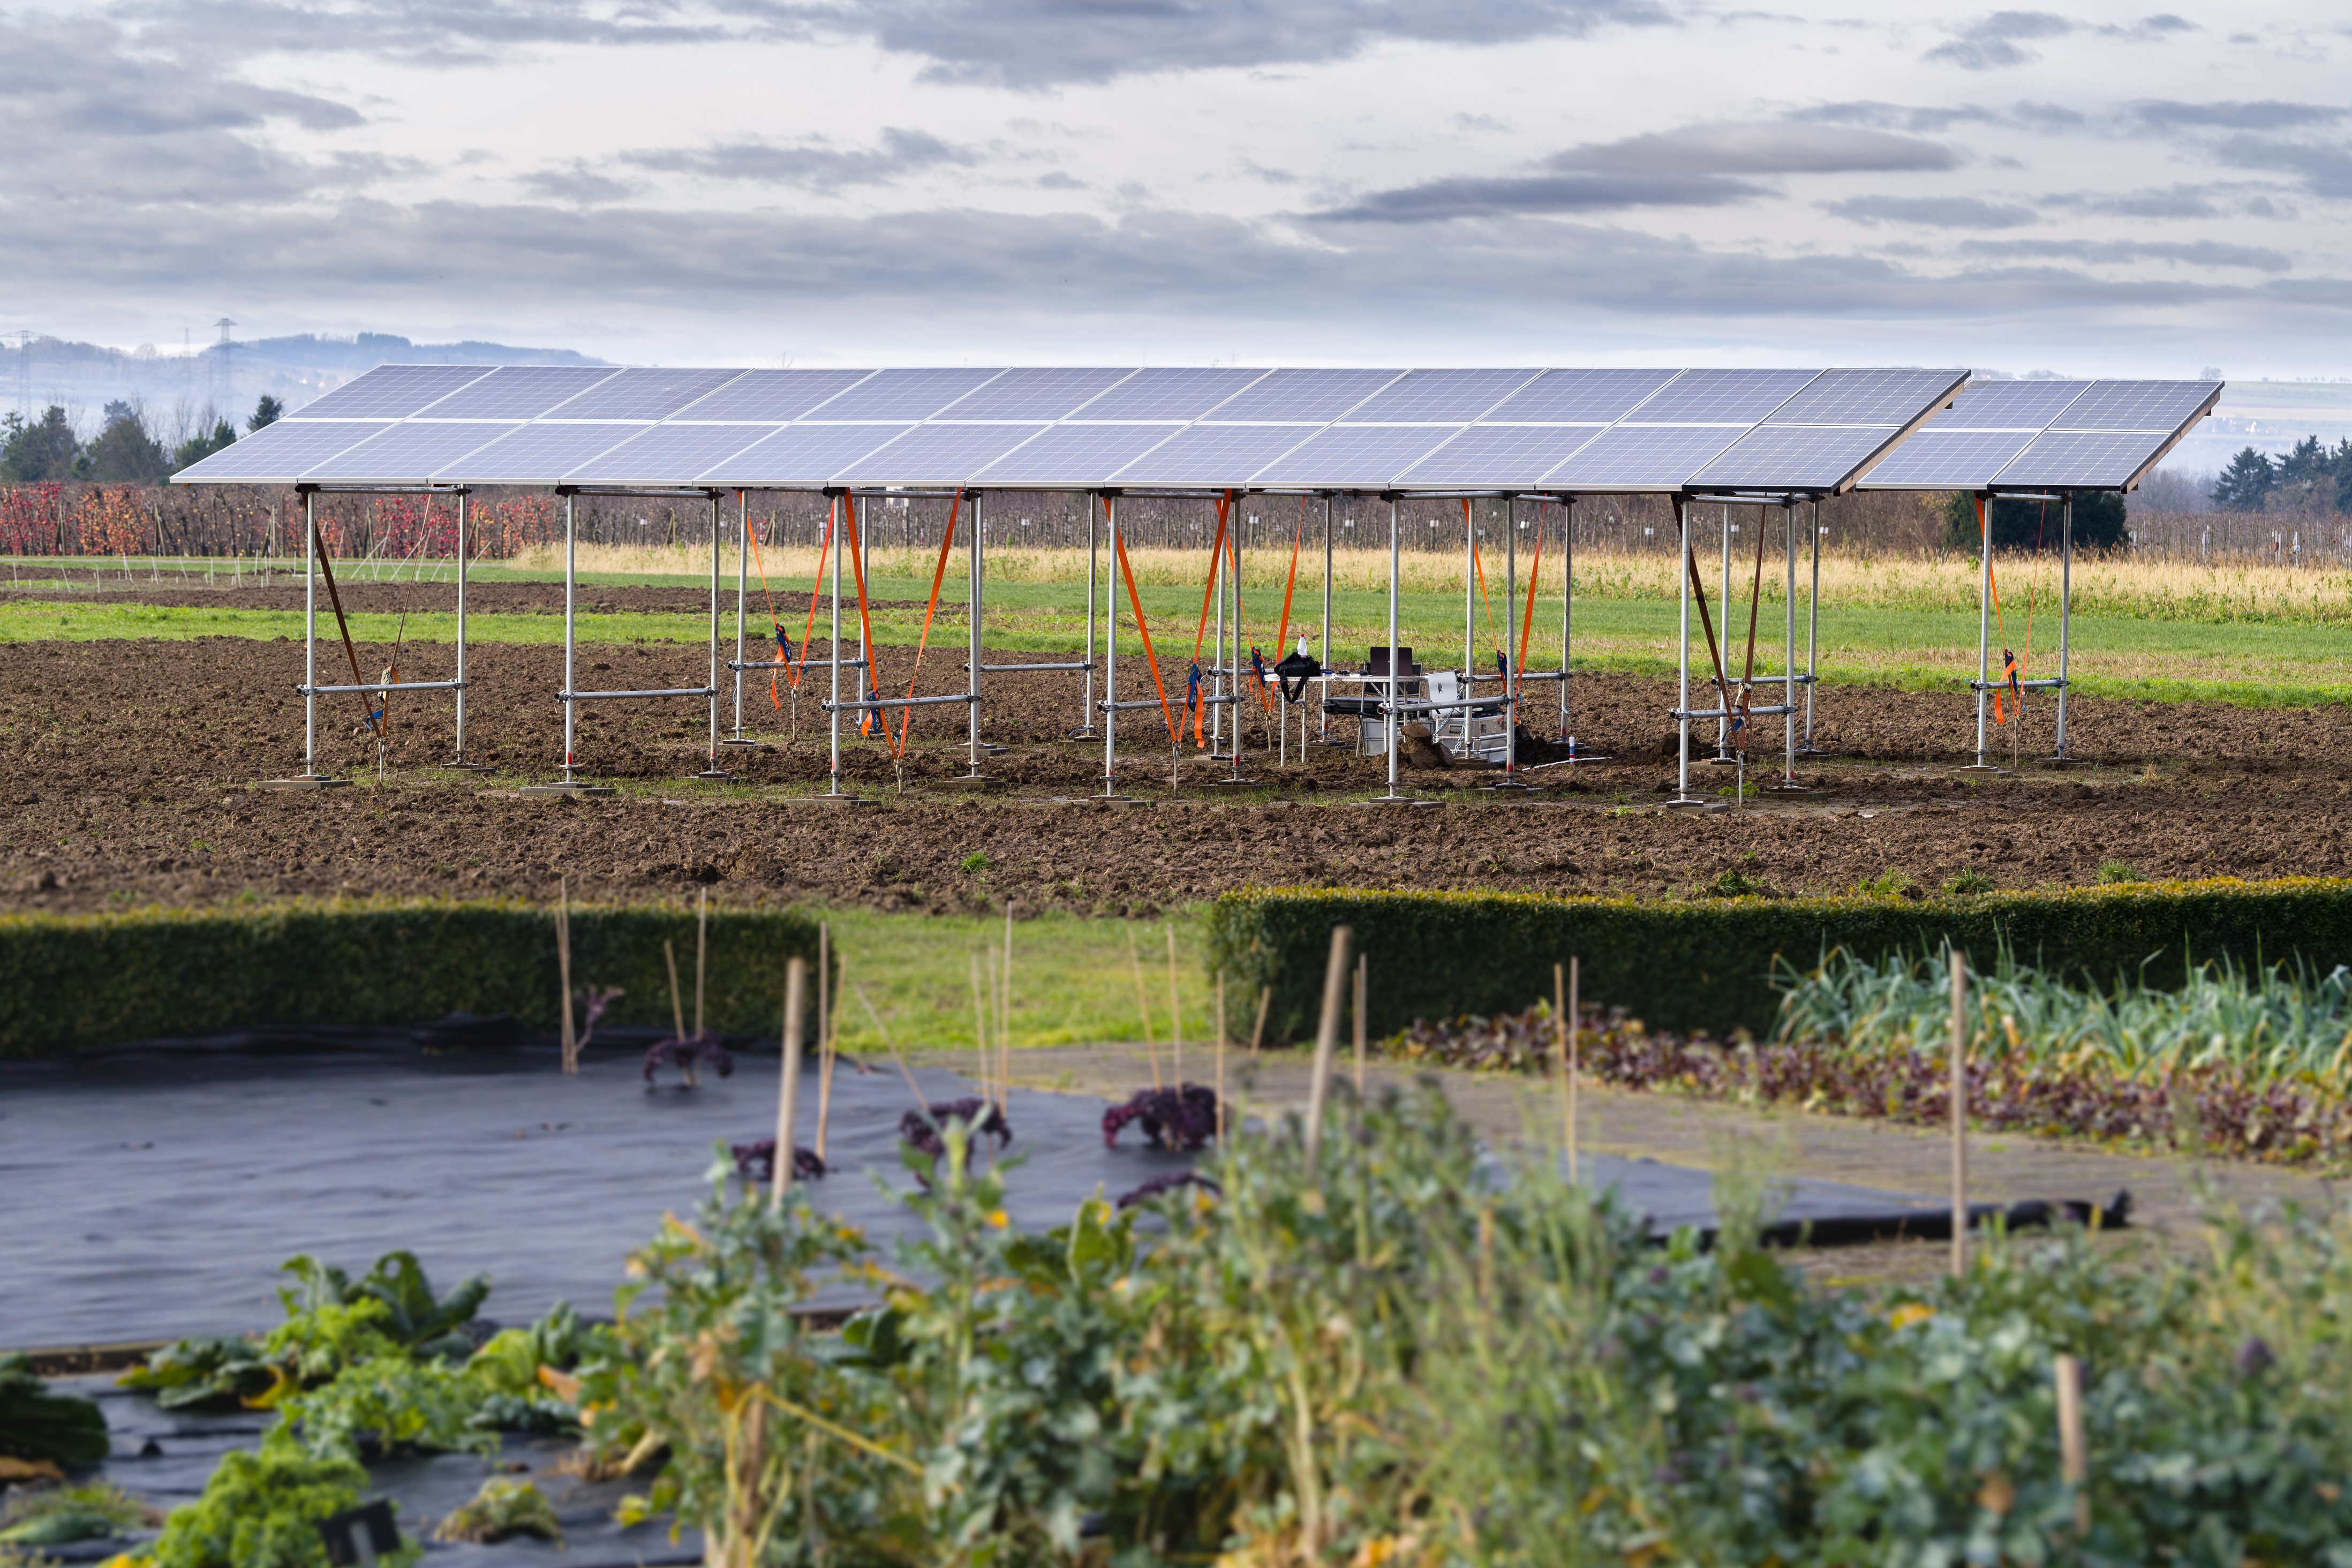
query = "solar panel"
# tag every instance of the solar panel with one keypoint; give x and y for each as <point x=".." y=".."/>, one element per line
<point x="800" y="457"/>
<point x="2163" y="406"/>
<point x="1796" y="457"/>
<point x="1176" y="392"/>
<point x="280" y="454"/>
<point x="1578" y="396"/>
<point x="2064" y="458"/>
<point x="1642" y="458"/>
<point x="1439" y="397"/>
<point x="1497" y="454"/>
<point x="938" y="454"/>
<point x="771" y="396"/>
<point x="1947" y="459"/>
<point x="1076" y="453"/>
<point x="408" y="453"/>
<point x="390" y="392"/>
<point x="1353" y="457"/>
<point x="1305" y="397"/>
<point x="667" y="454"/>
<point x="1869" y="396"/>
<point x="900" y="394"/>
<point x="643" y="395"/>
<point x="2009" y="404"/>
<point x="1212" y="456"/>
<point x="543" y="454"/>
<point x="1721" y="396"/>
<point x="1045" y="394"/>
<point x="518" y="391"/>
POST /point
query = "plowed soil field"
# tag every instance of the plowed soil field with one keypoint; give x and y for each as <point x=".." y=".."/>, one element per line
<point x="125" y="771"/>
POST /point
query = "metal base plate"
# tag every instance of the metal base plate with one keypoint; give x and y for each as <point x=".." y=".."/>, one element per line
<point x="1979" y="768"/>
<point x="570" y="789"/>
<point x="1397" y="800"/>
<point x="716" y="776"/>
<point x="746" y="740"/>
<point x="970" y="781"/>
<point x="464" y="767"/>
<point x="1097" y="800"/>
<point x="307" y="781"/>
<point x="1682" y="803"/>
<point x="1245" y="783"/>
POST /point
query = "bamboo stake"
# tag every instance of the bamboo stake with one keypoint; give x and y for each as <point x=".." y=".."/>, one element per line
<point x="701" y="951"/>
<point x="1959" y="1098"/>
<point x="1563" y="1036"/>
<point x="1175" y="1015"/>
<point x="1359" y="1010"/>
<point x="1221" y="1056"/>
<point x="1135" y="965"/>
<point x="788" y="1094"/>
<point x="1257" y="1035"/>
<point x="828" y="1048"/>
<point x="563" y="970"/>
<point x="2074" y="1452"/>
<point x="980" y="1025"/>
<point x="1327" y="1039"/>
<point x="1005" y="1022"/>
<point x="676" y="1010"/>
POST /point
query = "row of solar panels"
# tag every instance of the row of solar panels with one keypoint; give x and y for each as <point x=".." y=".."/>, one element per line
<point x="1218" y="427"/>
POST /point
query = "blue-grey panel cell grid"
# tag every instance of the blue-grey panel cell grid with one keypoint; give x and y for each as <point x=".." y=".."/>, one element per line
<point x="390" y="392"/>
<point x="286" y="449"/>
<point x="542" y="454"/>
<point x="801" y="456"/>
<point x="771" y="396"/>
<point x="1499" y="454"/>
<point x="2164" y="406"/>
<point x="412" y="451"/>
<point x="1075" y="454"/>
<point x="1866" y="397"/>
<point x="938" y="454"/>
<point x="518" y="391"/>
<point x="1796" y="454"/>
<point x="1213" y="454"/>
<point x="1168" y="393"/>
<point x="1354" y="454"/>
<point x="1439" y="397"/>
<point x="1578" y="396"/>
<point x="1647" y="457"/>
<point x="1046" y="393"/>
<point x="902" y="395"/>
<point x="2009" y="404"/>
<point x="642" y="394"/>
<point x="1305" y="397"/>
<point x="668" y="453"/>
<point x="1949" y="459"/>
<point x="2066" y="457"/>
<point x="1721" y="396"/>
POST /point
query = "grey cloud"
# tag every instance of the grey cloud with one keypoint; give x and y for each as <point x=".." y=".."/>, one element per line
<point x="442" y="32"/>
<point x="1438" y="200"/>
<point x="2151" y="29"/>
<point x="577" y="183"/>
<point x="1935" y="212"/>
<point x="2198" y="253"/>
<point x="1995" y="42"/>
<point x="1757" y="147"/>
<point x="2172" y="202"/>
<point x="2266" y="114"/>
<point x="1869" y="111"/>
<point x="815" y="164"/>
<point x="2325" y="168"/>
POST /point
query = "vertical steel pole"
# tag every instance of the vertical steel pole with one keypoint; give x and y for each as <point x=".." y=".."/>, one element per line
<point x="310" y="635"/>
<point x="463" y="495"/>
<point x="1567" y="601"/>
<point x="1323" y="718"/>
<point x="972" y="687"/>
<point x="712" y="765"/>
<point x="1110" y="654"/>
<point x="1789" y="654"/>
<point x="1723" y="613"/>
<point x="1086" y="718"/>
<point x="571" y="643"/>
<point x="1217" y="586"/>
<point x="1812" y="622"/>
<point x="840" y="505"/>
<point x="742" y="585"/>
<point x="2065" y="609"/>
<point x="1510" y="634"/>
<point x="1396" y="676"/>
<point x="1984" y="613"/>
<point x="1688" y="563"/>
<point x="1469" y="604"/>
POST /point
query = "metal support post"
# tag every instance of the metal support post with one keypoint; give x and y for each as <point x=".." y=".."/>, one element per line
<point x="710" y="768"/>
<point x="459" y="760"/>
<point x="742" y="587"/>
<point x="1510" y="636"/>
<point x="1812" y="625"/>
<point x="1686" y="564"/>
<point x="1789" y="654"/>
<point x="1723" y="613"/>
<point x="1984" y="615"/>
<point x="978" y="571"/>
<point x="1323" y="716"/>
<point x="2065" y="612"/>
<point x="1217" y="587"/>
<point x="1110" y="657"/>
<point x="1086" y="729"/>
<point x="570" y="645"/>
<point x="310" y="635"/>
<point x="1469" y="598"/>
<point x="1567" y="601"/>
<point x="1391" y="718"/>
<point x="834" y="718"/>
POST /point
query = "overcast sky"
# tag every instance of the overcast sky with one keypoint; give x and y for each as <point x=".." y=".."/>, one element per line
<point x="2101" y="189"/>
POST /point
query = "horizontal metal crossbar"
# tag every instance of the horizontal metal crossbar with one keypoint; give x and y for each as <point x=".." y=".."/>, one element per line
<point x="2048" y="683"/>
<point x="897" y="702"/>
<point x="608" y="696"/>
<point x="1774" y="711"/>
<point x="1124" y="706"/>
<point x="792" y="664"/>
<point x="1443" y="707"/>
<point x="1026" y="668"/>
<point x="382" y="686"/>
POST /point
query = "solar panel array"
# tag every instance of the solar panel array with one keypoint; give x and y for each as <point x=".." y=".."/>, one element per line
<point x="1202" y="429"/>
<point x="2046" y="434"/>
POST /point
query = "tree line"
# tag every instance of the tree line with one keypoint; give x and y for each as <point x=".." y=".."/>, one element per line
<point x="125" y="451"/>
<point x="2307" y="477"/>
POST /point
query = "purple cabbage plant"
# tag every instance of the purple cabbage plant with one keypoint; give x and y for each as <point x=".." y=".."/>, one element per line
<point x="1184" y="1116"/>
<point x="1159" y="1186"/>
<point x="595" y="1001"/>
<point x="923" y="1131"/>
<point x="757" y="1161"/>
<point x="689" y="1055"/>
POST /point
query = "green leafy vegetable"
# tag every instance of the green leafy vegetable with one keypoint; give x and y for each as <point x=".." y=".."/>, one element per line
<point x="263" y="1510"/>
<point x="502" y="1508"/>
<point x="36" y="1424"/>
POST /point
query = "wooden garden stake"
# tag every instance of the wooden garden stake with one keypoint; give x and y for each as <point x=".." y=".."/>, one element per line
<point x="824" y="1031"/>
<point x="1221" y="1056"/>
<point x="1359" y="1010"/>
<point x="1327" y="1039"/>
<point x="1564" y="1035"/>
<point x="1004" y="1020"/>
<point x="788" y="1093"/>
<point x="1143" y="1003"/>
<point x="2073" y="1453"/>
<point x="676" y="1009"/>
<point x="1959" y="1098"/>
<point x="1257" y="1035"/>
<point x="1175" y="1015"/>
<point x="980" y="1025"/>
<point x="563" y="970"/>
<point x="701" y="951"/>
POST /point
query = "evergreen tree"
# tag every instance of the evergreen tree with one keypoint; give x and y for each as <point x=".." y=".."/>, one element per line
<point x="199" y="446"/>
<point x="45" y="450"/>
<point x="124" y="453"/>
<point x="2035" y="524"/>
<point x="2246" y="484"/>
<point x="265" y="411"/>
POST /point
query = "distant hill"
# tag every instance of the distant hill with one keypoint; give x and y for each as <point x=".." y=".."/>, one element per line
<point x="177" y="390"/>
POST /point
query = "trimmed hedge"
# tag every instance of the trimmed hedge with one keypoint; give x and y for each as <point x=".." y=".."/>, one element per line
<point x="73" y="980"/>
<point x="1707" y="965"/>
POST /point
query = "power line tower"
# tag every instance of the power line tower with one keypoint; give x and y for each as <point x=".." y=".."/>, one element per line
<point x="23" y="373"/>
<point x="223" y="371"/>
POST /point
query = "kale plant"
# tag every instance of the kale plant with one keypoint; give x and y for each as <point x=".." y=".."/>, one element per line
<point x="756" y="1163"/>
<point x="921" y="1129"/>
<point x="1184" y="1116"/>
<point x="689" y="1055"/>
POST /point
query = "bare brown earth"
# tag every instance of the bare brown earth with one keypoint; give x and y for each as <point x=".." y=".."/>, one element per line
<point x="440" y="597"/>
<point x="125" y="767"/>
